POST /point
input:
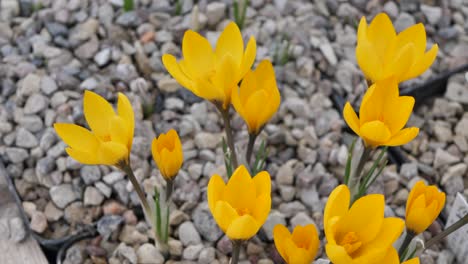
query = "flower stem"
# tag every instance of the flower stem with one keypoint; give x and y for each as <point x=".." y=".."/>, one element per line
<point x="460" y="223"/>
<point x="141" y="194"/>
<point x="229" y="137"/>
<point x="355" y="181"/>
<point x="404" y="246"/>
<point x="236" y="247"/>
<point x="250" y="146"/>
<point x="169" y="188"/>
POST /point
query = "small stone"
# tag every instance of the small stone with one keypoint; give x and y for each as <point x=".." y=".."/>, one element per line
<point x="192" y="252"/>
<point x="206" y="140"/>
<point x="89" y="84"/>
<point x="168" y="85"/>
<point x="273" y="219"/>
<point x="90" y="174"/>
<point x="457" y="92"/>
<point x="453" y="171"/>
<point x="92" y="196"/>
<point x="126" y="252"/>
<point x="104" y="189"/>
<point x="130" y="235"/>
<point x="409" y="170"/>
<point x="85" y="30"/>
<point x="207" y="255"/>
<point x="147" y="253"/>
<point x="442" y="131"/>
<point x="16" y="155"/>
<point x="175" y="247"/>
<point x="35" y="103"/>
<point x="404" y="21"/>
<point x="38" y="222"/>
<point x="25" y="139"/>
<point x="291" y="208"/>
<point x="62" y="195"/>
<point x="188" y="234"/>
<point x="301" y="219"/>
<point x="174" y="104"/>
<point x="391" y="9"/>
<point x="102" y="57"/>
<point x="87" y="49"/>
<point x="297" y="106"/>
<point x="442" y="158"/>
<point x="432" y="13"/>
<point x="400" y="197"/>
<point x="329" y="53"/>
<point x="17" y="229"/>
<point x="215" y="11"/>
<point x="285" y="174"/>
<point x="52" y="213"/>
<point x="205" y="224"/>
<point x="109" y="224"/>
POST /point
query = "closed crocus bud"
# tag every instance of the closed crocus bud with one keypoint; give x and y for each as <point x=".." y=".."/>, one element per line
<point x="382" y="53"/>
<point x="110" y="139"/>
<point x="258" y="97"/>
<point x="423" y="206"/>
<point x="360" y="234"/>
<point x="300" y="247"/>
<point x="212" y="73"/>
<point x="382" y="116"/>
<point x="167" y="154"/>
<point x="241" y="206"/>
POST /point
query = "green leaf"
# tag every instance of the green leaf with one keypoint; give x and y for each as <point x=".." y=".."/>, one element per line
<point x="128" y="5"/>
<point x="158" y="212"/>
<point x="227" y="159"/>
<point x="348" y="162"/>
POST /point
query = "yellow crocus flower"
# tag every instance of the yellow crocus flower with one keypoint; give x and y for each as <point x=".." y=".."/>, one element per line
<point x="241" y="206"/>
<point x="300" y="247"/>
<point x="382" y="53"/>
<point x="258" y="97"/>
<point x="167" y="153"/>
<point x="382" y="116"/>
<point x="393" y="258"/>
<point x="212" y="74"/>
<point x="423" y="206"/>
<point x="359" y="234"/>
<point x="110" y="139"/>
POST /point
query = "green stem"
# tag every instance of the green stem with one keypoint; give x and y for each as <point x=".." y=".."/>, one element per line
<point x="250" y="146"/>
<point x="463" y="221"/>
<point x="355" y="182"/>
<point x="141" y="194"/>
<point x="229" y="137"/>
<point x="169" y="188"/>
<point x="404" y="246"/>
<point x="236" y="247"/>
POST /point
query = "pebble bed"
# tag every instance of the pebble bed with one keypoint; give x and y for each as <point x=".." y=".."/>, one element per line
<point x="51" y="51"/>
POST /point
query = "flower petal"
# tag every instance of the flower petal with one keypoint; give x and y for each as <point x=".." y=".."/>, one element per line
<point x="98" y="112"/>
<point x="243" y="228"/>
<point x="396" y="116"/>
<point x="375" y="133"/>
<point x="423" y="64"/>
<point x="240" y="190"/>
<point x="403" y="136"/>
<point x="230" y="42"/>
<point x="83" y="157"/>
<point x="280" y="235"/>
<point x="380" y="33"/>
<point x="111" y="153"/>
<point x="125" y="111"/>
<point x="262" y="208"/>
<point x="262" y="183"/>
<point x="351" y="118"/>
<point x="198" y="54"/>
<point x="224" y="215"/>
<point x="77" y="137"/>
<point x="249" y="57"/>
<point x="175" y="71"/>
<point x="215" y="191"/>
<point x="337" y="205"/>
<point x="337" y="254"/>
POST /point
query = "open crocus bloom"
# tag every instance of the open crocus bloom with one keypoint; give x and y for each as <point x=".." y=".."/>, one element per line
<point x="381" y="53"/>
<point x="110" y="139"/>
<point x="300" y="247"/>
<point x="167" y="153"/>
<point x="359" y="234"/>
<point x="212" y="74"/>
<point x="241" y="206"/>
<point x="423" y="206"/>
<point x="382" y="116"/>
<point x="258" y="97"/>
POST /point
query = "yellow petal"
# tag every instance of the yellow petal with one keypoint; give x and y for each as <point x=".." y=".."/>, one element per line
<point x="175" y="71"/>
<point x="84" y="157"/>
<point x="262" y="208"/>
<point x="378" y="97"/>
<point x="375" y="133"/>
<point x="118" y="130"/>
<point x="111" y="153"/>
<point x="418" y="218"/>
<point x="369" y="61"/>
<point x="224" y="79"/>
<point x="396" y="116"/>
<point x="362" y="30"/>
<point x="351" y="118"/>
<point x="215" y="191"/>
<point x="280" y="235"/>
<point x="337" y="254"/>
<point x="224" y="215"/>
<point x="198" y="54"/>
<point x="403" y="136"/>
<point x="208" y="91"/>
<point x="255" y="111"/>
<point x="337" y="205"/>
<point x="242" y="228"/>
<point x="415" y="34"/>
<point x="401" y="62"/>
<point x="300" y="256"/>
<point x="78" y="138"/>
<point x="249" y="57"/>
<point x="365" y="218"/>
<point x="98" y="112"/>
<point x="230" y="43"/>
<point x="240" y="191"/>
<point x="380" y="33"/>
<point x="390" y="258"/>
<point x="418" y="189"/>
<point x="125" y="111"/>
<point x="262" y="183"/>
<point x="423" y="64"/>
<point x="307" y="237"/>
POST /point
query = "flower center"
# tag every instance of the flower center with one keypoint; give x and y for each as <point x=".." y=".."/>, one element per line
<point x="350" y="242"/>
<point x="243" y="211"/>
